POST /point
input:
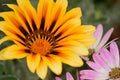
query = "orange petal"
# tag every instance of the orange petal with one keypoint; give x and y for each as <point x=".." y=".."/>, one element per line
<point x="29" y="11"/>
<point x="72" y="14"/>
<point x="44" y="11"/>
<point x="20" y="17"/>
<point x="67" y="28"/>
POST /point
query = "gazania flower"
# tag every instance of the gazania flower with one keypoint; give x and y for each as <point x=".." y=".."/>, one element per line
<point x="100" y="39"/>
<point x="46" y="37"/>
<point x="68" y="77"/>
<point x="106" y="65"/>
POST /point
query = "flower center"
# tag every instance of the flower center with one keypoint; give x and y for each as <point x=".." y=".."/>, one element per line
<point x="40" y="42"/>
<point x="91" y="51"/>
<point x="41" y="46"/>
<point x="115" y="73"/>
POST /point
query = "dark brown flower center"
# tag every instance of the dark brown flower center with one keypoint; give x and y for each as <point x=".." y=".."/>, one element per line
<point x="115" y="73"/>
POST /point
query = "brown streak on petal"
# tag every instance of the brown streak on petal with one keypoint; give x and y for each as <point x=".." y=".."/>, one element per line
<point x="23" y="31"/>
<point x="20" y="37"/>
<point x="58" y="35"/>
<point x="52" y="26"/>
<point x="28" y="26"/>
<point x="42" y="24"/>
<point x="34" y="25"/>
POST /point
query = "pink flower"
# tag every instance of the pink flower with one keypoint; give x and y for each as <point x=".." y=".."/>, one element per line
<point x="68" y="77"/>
<point x="106" y="65"/>
<point x="100" y="39"/>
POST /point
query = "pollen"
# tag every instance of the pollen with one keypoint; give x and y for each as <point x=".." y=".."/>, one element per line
<point x="41" y="46"/>
<point x="115" y="73"/>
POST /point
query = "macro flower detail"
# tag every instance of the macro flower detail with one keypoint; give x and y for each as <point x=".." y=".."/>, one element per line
<point x="100" y="39"/>
<point x="105" y="66"/>
<point x="46" y="37"/>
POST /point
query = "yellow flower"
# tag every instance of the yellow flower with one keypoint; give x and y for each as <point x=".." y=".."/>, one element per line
<point x="47" y="36"/>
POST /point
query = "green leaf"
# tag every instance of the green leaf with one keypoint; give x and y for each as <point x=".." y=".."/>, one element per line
<point x="2" y="34"/>
<point x="9" y="67"/>
<point x="6" y="44"/>
<point x="8" y="78"/>
<point x="1" y="68"/>
<point x="34" y="3"/>
<point x="4" y="7"/>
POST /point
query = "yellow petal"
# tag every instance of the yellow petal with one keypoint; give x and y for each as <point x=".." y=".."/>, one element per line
<point x="84" y="29"/>
<point x="29" y="11"/>
<point x="42" y="68"/>
<point x="43" y="12"/>
<point x="74" y="37"/>
<point x="2" y="54"/>
<point x="4" y="39"/>
<point x="54" y="64"/>
<point x="88" y="41"/>
<point x="10" y="20"/>
<point x="5" y="27"/>
<point x="59" y="9"/>
<point x="72" y="14"/>
<point x="80" y="49"/>
<point x="19" y="16"/>
<point x="67" y="28"/>
<point x="75" y="46"/>
<point x="40" y="10"/>
<point x="70" y="58"/>
<point x="14" y="52"/>
<point x="33" y="61"/>
<point x="48" y="8"/>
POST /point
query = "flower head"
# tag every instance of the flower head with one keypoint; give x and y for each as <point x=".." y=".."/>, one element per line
<point x="100" y="39"/>
<point x="46" y="37"/>
<point x="105" y="66"/>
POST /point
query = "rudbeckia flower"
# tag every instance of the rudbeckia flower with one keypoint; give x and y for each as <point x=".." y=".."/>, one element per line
<point x="100" y="39"/>
<point x="47" y="36"/>
<point x="106" y="65"/>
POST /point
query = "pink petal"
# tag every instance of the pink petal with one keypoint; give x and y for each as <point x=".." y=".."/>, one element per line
<point x="97" y="67"/>
<point x="88" y="74"/>
<point x="105" y="38"/>
<point x="117" y="79"/>
<point x="92" y="75"/>
<point x="105" y="55"/>
<point x="57" y="78"/>
<point x="69" y="76"/>
<point x="98" y="35"/>
<point x="114" y="53"/>
<point x="98" y="60"/>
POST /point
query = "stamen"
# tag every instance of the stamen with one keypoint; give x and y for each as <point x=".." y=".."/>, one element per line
<point x="41" y="46"/>
<point x="115" y="73"/>
<point x="40" y="42"/>
<point x="91" y="51"/>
